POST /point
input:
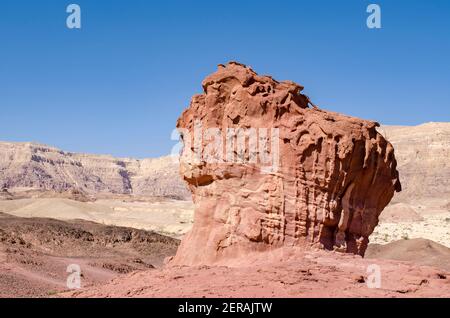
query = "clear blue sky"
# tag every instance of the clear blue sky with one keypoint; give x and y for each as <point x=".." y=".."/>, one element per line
<point x="118" y="85"/>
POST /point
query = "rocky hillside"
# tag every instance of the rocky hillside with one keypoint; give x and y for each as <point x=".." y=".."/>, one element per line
<point x="25" y="166"/>
<point x="422" y="154"/>
<point x="36" y="252"/>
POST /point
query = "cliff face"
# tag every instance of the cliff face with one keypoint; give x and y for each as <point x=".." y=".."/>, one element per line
<point x="27" y="165"/>
<point x="327" y="179"/>
<point x="423" y="154"/>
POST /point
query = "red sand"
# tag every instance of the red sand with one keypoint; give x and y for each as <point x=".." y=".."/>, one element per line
<point x="279" y="274"/>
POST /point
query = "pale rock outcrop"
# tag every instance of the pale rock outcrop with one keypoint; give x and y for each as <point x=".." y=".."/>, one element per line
<point x="422" y="153"/>
<point x="333" y="174"/>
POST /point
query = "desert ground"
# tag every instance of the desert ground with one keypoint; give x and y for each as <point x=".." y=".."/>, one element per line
<point x="122" y="262"/>
<point x="162" y="215"/>
<point x="35" y="253"/>
<point x="113" y="240"/>
<point x="402" y="222"/>
<point x="174" y="218"/>
<point x="283" y="274"/>
<point x="122" y="239"/>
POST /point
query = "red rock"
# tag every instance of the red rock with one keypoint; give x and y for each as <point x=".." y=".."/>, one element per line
<point x="331" y="177"/>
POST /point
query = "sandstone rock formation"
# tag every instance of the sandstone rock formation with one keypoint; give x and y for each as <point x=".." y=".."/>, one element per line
<point x="421" y="152"/>
<point x="34" y="166"/>
<point x="334" y="174"/>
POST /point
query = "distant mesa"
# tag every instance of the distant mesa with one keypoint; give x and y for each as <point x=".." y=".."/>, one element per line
<point x="334" y="173"/>
<point x="422" y="153"/>
<point x="34" y="167"/>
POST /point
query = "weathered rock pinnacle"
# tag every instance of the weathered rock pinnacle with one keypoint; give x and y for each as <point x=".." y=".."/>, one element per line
<point x="301" y="176"/>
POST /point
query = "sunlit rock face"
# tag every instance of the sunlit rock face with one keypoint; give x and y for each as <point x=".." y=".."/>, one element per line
<point x="268" y="169"/>
<point x="30" y="166"/>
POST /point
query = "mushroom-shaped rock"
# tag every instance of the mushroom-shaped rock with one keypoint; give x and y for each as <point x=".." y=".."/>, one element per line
<point x="266" y="170"/>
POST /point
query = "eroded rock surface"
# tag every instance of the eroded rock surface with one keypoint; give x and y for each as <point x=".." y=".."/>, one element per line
<point x="333" y="175"/>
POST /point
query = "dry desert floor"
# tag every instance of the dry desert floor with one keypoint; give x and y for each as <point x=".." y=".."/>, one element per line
<point x="165" y="216"/>
<point x="121" y="241"/>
